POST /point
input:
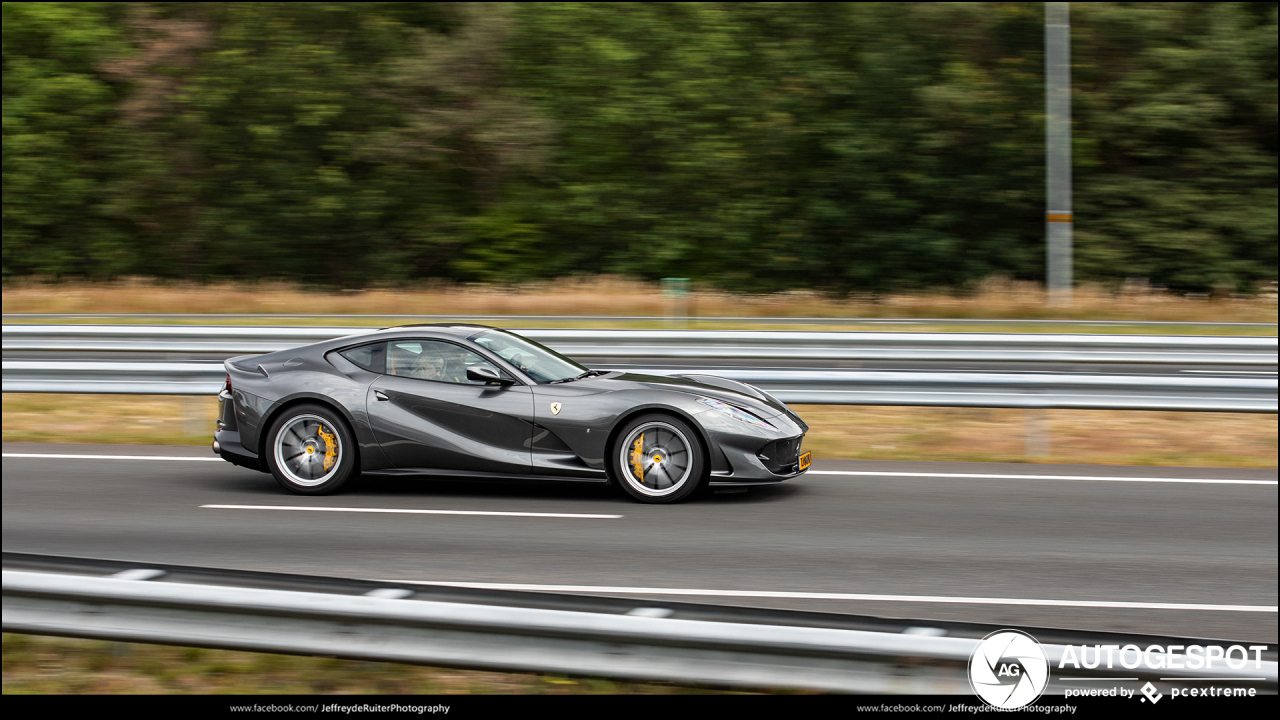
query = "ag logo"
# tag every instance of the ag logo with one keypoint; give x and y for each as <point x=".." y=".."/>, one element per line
<point x="1008" y="669"/>
<point x="555" y="408"/>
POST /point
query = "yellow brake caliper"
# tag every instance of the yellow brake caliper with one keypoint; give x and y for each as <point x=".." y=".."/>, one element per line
<point x="637" y="457"/>
<point x="330" y="449"/>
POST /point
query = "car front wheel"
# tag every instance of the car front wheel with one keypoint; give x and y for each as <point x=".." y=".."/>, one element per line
<point x="658" y="459"/>
<point x="310" y="450"/>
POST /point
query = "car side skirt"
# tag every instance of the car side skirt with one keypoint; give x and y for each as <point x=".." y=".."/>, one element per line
<point x="473" y="474"/>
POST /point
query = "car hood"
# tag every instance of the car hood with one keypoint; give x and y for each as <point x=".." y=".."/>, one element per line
<point x="730" y="391"/>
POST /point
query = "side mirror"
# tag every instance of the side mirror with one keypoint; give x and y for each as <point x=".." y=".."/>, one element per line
<point x="487" y="374"/>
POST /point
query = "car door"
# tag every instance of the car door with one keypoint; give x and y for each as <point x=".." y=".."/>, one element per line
<point x="426" y="414"/>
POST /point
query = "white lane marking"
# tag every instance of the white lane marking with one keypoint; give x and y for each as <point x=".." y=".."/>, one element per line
<point x="412" y="511"/>
<point x="50" y="456"/>
<point x="985" y="476"/>
<point x="842" y="596"/>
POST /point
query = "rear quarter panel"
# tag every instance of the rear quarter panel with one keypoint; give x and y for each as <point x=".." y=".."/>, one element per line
<point x="302" y="378"/>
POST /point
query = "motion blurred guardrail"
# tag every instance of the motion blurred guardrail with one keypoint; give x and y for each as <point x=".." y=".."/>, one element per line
<point x="765" y="648"/>
<point x="703" y="344"/>
<point x="819" y="387"/>
<point x="740" y="355"/>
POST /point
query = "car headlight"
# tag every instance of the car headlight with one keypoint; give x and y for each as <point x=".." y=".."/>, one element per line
<point x="734" y="412"/>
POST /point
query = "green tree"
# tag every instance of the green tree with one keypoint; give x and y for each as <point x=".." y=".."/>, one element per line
<point x="846" y="147"/>
<point x="59" y="141"/>
<point x="1176" y="142"/>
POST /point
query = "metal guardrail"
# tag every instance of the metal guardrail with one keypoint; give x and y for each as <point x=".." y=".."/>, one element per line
<point x="701" y="344"/>
<point x="390" y="624"/>
<point x="681" y="352"/>
<point x="819" y="387"/>
<point x="477" y="636"/>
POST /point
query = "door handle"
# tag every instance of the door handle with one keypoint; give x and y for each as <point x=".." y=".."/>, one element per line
<point x="380" y="395"/>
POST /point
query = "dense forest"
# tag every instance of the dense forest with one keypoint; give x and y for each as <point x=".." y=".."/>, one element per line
<point x="843" y="147"/>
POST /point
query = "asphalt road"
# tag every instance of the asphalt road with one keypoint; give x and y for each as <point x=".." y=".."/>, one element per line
<point x="920" y="544"/>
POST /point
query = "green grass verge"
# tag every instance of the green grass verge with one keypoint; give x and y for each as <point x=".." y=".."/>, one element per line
<point x="36" y="664"/>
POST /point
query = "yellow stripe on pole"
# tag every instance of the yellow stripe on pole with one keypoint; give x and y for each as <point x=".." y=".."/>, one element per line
<point x="1058" y="217"/>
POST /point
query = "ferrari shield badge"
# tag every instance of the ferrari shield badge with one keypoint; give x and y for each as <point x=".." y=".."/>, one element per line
<point x="555" y="408"/>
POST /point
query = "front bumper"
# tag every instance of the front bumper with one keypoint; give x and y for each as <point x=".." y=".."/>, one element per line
<point x="752" y="454"/>
<point x="751" y="479"/>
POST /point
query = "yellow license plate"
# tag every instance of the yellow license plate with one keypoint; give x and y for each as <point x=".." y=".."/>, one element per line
<point x="805" y="459"/>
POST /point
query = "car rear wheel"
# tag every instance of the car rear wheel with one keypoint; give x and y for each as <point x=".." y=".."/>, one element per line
<point x="658" y="459"/>
<point x="310" y="450"/>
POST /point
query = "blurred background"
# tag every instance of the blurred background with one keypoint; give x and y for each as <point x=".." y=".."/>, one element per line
<point x="794" y="160"/>
<point x="751" y="147"/>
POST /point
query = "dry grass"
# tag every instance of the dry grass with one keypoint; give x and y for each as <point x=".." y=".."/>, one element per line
<point x="1104" y="437"/>
<point x="123" y="419"/>
<point x="994" y="299"/>
<point x="60" y="666"/>
<point x="1112" y="437"/>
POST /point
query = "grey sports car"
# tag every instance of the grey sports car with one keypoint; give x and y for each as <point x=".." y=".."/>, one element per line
<point x="473" y="401"/>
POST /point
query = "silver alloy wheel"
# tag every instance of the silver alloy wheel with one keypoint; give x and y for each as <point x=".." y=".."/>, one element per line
<point x="655" y="459"/>
<point x="301" y="448"/>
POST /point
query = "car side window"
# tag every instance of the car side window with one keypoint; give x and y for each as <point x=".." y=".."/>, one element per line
<point x="432" y="360"/>
<point x="370" y="357"/>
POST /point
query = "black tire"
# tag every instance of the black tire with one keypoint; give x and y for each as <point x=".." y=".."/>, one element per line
<point x="303" y="428"/>
<point x="658" y="458"/>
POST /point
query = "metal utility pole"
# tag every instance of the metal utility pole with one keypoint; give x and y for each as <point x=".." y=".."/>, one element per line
<point x="1057" y="110"/>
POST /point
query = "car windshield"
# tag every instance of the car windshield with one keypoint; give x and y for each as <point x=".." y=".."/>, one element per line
<point x="542" y="364"/>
